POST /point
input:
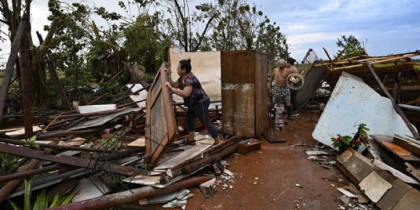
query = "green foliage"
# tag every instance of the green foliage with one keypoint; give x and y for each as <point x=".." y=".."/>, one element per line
<point x="31" y="140"/>
<point x="144" y="44"/>
<point x="344" y="142"/>
<point x="240" y="26"/>
<point x="41" y="201"/>
<point x="351" y="45"/>
<point x="8" y="164"/>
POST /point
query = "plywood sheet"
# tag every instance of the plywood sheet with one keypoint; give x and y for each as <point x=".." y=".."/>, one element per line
<point x="161" y="130"/>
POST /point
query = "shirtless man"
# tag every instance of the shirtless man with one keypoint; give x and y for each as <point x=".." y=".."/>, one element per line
<point x="281" y="91"/>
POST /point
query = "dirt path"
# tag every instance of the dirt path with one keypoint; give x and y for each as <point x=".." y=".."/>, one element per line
<point x="278" y="167"/>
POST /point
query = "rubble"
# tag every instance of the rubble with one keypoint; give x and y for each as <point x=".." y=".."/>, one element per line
<point x="134" y="153"/>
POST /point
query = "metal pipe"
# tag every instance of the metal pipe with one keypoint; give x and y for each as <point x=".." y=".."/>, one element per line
<point x="131" y="195"/>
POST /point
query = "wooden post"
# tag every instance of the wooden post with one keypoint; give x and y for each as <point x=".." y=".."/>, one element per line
<point x="12" y="61"/>
<point x="26" y="87"/>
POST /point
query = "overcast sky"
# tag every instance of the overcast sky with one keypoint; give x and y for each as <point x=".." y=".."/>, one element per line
<point x="389" y="27"/>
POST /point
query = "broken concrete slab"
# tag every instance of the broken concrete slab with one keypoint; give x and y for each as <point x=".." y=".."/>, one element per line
<point x="374" y="186"/>
<point x="353" y="102"/>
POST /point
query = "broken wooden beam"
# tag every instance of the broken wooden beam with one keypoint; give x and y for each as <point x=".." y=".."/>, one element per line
<point x="411" y="146"/>
<point x="73" y="161"/>
<point x="52" y="146"/>
<point x="10" y="186"/>
<point x="63" y="168"/>
<point x="206" y="158"/>
<point x="24" y="174"/>
<point x="8" y="73"/>
<point x="60" y="133"/>
<point x="132" y="195"/>
<point x="413" y="171"/>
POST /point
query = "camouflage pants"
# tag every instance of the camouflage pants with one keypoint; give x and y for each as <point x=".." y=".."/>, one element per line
<point x="281" y="94"/>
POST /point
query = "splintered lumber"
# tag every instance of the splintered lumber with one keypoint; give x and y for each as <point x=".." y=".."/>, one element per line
<point x="132" y="195"/>
<point x="409" y="145"/>
<point x="8" y="73"/>
<point x="386" y="141"/>
<point x="183" y="157"/>
<point x="203" y="159"/>
<point x="56" y="166"/>
<point x="73" y="161"/>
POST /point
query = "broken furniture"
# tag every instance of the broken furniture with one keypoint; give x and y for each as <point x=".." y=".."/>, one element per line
<point x="244" y="93"/>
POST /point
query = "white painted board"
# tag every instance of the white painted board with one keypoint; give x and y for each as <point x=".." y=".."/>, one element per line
<point x="96" y="108"/>
<point x="353" y="102"/>
<point x="138" y="96"/>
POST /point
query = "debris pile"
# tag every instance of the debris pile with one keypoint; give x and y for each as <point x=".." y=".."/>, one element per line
<point x="99" y="156"/>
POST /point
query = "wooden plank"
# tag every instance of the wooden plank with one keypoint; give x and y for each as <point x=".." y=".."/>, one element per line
<point x="74" y="161"/>
<point x="183" y="157"/>
<point x="161" y="130"/>
<point x="387" y="142"/>
<point x="413" y="171"/>
<point x="261" y="94"/>
<point x="408" y="145"/>
<point x="96" y="108"/>
<point x="406" y="138"/>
